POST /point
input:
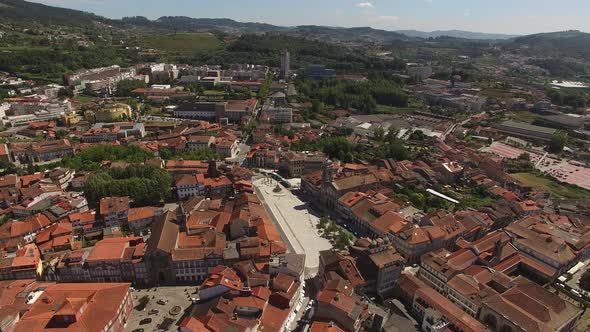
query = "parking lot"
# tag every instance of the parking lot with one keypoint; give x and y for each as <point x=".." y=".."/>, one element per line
<point x="175" y="296"/>
<point x="561" y="170"/>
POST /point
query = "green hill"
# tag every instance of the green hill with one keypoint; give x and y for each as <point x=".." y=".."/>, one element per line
<point x="573" y="43"/>
<point x="18" y="11"/>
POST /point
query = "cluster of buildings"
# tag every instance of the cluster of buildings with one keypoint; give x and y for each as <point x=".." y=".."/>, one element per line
<point x="19" y="111"/>
<point x="235" y="111"/>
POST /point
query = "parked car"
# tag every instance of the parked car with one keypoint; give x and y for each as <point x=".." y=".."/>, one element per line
<point x="145" y="321"/>
<point x="153" y="312"/>
<point x="162" y="301"/>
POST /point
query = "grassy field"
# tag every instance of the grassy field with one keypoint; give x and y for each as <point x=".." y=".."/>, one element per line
<point x="214" y="93"/>
<point x="556" y="189"/>
<point x="384" y="109"/>
<point x="181" y="43"/>
<point x="496" y="93"/>
<point x="85" y="99"/>
<point x="523" y="116"/>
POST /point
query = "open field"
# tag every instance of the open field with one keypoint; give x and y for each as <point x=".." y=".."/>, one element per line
<point x="85" y="99"/>
<point x="523" y="116"/>
<point x="563" y="171"/>
<point x="384" y="109"/>
<point x="181" y="43"/>
<point x="553" y="187"/>
<point x="496" y="93"/>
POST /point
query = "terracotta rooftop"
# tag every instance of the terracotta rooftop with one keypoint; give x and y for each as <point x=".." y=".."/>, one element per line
<point x="93" y="305"/>
<point x="112" y="248"/>
<point x="457" y="316"/>
<point x="110" y="205"/>
<point x="137" y="214"/>
<point x="325" y="327"/>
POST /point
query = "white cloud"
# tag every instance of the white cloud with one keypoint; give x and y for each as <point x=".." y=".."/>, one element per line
<point x="364" y="5"/>
<point x="387" y="18"/>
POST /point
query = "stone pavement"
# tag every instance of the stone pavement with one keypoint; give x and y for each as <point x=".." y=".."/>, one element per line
<point x="297" y="226"/>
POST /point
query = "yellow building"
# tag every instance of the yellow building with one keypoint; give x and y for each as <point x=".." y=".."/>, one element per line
<point x="113" y="113"/>
<point x="70" y="118"/>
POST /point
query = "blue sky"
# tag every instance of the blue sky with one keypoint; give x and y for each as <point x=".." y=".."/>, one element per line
<point x="499" y="16"/>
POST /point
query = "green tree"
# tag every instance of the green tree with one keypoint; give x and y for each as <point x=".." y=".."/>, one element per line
<point x="61" y="134"/>
<point x="125" y="87"/>
<point x="65" y="92"/>
<point x="132" y="102"/>
<point x="324" y="221"/>
<point x="558" y="142"/>
<point x="379" y="134"/>
<point x="343" y="239"/>
<point x="585" y="281"/>
<point x="144" y="184"/>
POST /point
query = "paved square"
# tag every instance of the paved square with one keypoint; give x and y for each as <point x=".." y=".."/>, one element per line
<point x="175" y="295"/>
<point x="297" y="226"/>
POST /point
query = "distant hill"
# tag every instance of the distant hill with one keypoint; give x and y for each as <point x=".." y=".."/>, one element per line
<point x="183" y="23"/>
<point x="456" y="34"/>
<point x="35" y="13"/>
<point x="570" y="44"/>
<point x="359" y="35"/>
<point x="573" y="43"/>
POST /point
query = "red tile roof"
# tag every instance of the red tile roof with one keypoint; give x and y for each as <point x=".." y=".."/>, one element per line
<point x="137" y="214"/>
<point x="325" y="327"/>
<point x="112" y="248"/>
<point x="113" y="205"/>
<point x="100" y="304"/>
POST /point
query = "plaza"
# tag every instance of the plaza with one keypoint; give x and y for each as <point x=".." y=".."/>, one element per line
<point x="298" y="227"/>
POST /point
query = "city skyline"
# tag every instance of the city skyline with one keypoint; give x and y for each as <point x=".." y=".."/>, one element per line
<point x="525" y="17"/>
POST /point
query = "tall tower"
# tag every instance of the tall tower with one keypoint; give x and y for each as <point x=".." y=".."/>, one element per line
<point x="328" y="171"/>
<point x="285" y="65"/>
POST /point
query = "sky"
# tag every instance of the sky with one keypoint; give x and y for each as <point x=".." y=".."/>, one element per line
<point x="492" y="16"/>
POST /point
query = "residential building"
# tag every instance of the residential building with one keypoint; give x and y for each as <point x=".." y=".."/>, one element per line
<point x="62" y="177"/>
<point x="41" y="151"/>
<point x="201" y="110"/>
<point x="199" y="143"/>
<point x="275" y="114"/>
<point x="380" y="265"/>
<point x="418" y="72"/>
<point x="342" y="309"/>
<point x="117" y="260"/>
<point x="114" y="210"/>
<point x="190" y="186"/>
<point x="529" y="307"/>
<point x="25" y="264"/>
<point x="292" y="163"/>
<point x="98" y="135"/>
<point x="141" y="218"/>
<point x="237" y="110"/>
